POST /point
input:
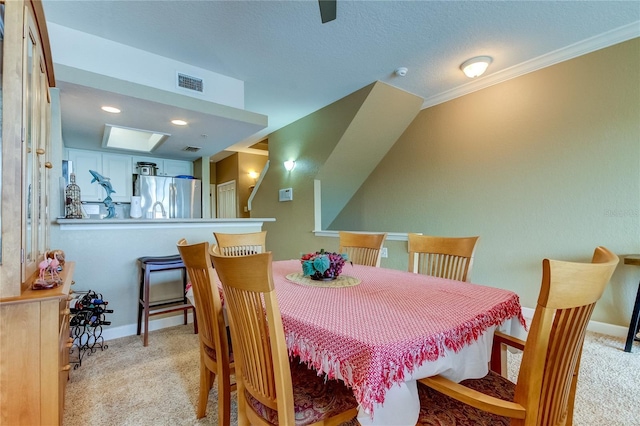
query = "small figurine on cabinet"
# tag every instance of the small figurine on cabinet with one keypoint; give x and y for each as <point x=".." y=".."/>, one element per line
<point x="44" y="265"/>
<point x="48" y="277"/>
<point x="57" y="254"/>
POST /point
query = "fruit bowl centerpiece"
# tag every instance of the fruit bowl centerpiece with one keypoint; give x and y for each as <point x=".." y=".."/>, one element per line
<point x="323" y="265"/>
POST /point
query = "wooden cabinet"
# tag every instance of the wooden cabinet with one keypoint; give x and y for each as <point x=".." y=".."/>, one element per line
<point x="34" y="325"/>
<point x="25" y="143"/>
<point x="34" y="366"/>
<point x="116" y="167"/>
<point x="27" y="74"/>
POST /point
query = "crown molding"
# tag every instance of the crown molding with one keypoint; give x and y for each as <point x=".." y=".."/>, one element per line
<point x="618" y="35"/>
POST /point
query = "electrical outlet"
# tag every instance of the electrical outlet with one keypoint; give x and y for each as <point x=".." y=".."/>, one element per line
<point x="383" y="252"/>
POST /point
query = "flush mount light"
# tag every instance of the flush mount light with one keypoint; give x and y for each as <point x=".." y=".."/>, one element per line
<point x="111" y="109"/>
<point x="289" y="165"/>
<point x="475" y="67"/>
<point x="179" y="122"/>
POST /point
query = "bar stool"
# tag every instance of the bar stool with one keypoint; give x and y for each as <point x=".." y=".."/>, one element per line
<point x="147" y="308"/>
<point x="634" y="325"/>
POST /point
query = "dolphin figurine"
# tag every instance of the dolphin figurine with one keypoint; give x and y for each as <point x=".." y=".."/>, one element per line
<point x="103" y="181"/>
<point x="106" y="184"/>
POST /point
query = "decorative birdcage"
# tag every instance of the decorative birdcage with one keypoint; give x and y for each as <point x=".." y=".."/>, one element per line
<point x="73" y="208"/>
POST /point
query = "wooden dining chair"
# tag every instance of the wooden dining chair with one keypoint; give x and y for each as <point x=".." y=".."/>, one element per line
<point x="240" y="244"/>
<point x="272" y="389"/>
<point x="444" y="257"/>
<point x="362" y="249"/>
<point x="545" y="391"/>
<point x="215" y="359"/>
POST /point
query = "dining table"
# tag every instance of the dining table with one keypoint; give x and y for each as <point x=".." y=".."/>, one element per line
<point x="379" y="330"/>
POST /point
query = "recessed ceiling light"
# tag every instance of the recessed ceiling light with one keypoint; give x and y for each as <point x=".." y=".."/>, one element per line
<point x="179" y="122"/>
<point x="110" y="109"/>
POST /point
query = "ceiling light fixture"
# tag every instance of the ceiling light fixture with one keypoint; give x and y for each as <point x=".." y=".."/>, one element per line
<point x="475" y="67"/>
<point x="289" y="165"/>
<point x="179" y="122"/>
<point x="110" y="109"/>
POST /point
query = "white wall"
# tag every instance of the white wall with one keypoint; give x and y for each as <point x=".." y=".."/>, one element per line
<point x="90" y="53"/>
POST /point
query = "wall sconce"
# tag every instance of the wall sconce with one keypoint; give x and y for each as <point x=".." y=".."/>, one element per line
<point x="475" y="67"/>
<point x="289" y="165"/>
<point x="253" y="175"/>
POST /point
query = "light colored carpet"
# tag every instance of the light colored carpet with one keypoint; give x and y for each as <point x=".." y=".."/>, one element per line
<point x="128" y="384"/>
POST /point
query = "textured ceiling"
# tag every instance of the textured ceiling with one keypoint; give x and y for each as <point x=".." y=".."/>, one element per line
<point x="293" y="65"/>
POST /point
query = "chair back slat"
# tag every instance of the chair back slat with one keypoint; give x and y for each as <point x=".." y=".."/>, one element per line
<point x="444" y="257"/>
<point x="362" y="249"/>
<point x="211" y="326"/>
<point x="565" y="345"/>
<point x="551" y="360"/>
<point x="262" y="359"/>
<point x="212" y="330"/>
<point x="240" y="244"/>
<point x="255" y="350"/>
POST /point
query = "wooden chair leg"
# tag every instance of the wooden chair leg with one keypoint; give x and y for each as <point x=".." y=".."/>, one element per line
<point x="206" y="381"/>
<point x="140" y="299"/>
<point x="195" y="321"/>
<point x="224" y="400"/>
<point x="147" y="292"/>
<point x="242" y="404"/>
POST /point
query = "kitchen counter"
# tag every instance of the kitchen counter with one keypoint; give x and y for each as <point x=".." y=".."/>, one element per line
<point x="84" y="224"/>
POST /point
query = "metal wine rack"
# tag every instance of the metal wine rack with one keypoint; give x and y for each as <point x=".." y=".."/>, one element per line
<point x="88" y="310"/>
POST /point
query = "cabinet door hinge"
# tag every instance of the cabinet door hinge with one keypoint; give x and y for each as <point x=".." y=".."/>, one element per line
<point x="21" y="255"/>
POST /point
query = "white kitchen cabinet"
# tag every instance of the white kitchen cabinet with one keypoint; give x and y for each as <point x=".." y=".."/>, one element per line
<point x="83" y="161"/>
<point x="116" y="167"/>
<point x="165" y="167"/>
<point x="177" y="168"/>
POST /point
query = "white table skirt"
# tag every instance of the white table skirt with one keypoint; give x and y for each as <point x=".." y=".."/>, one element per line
<point x="402" y="405"/>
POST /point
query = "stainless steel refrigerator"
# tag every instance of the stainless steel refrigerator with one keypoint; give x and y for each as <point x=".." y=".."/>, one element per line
<point x="163" y="197"/>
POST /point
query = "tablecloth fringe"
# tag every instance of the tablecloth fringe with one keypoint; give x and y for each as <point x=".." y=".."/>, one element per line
<point x="369" y="394"/>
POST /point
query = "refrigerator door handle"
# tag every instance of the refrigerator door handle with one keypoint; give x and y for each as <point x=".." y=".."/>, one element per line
<point x="172" y="201"/>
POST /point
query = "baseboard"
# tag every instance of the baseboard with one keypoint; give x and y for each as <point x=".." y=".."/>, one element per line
<point x="110" y="333"/>
<point x="595" y="326"/>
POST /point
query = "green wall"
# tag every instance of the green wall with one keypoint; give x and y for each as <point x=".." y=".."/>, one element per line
<point x="543" y="165"/>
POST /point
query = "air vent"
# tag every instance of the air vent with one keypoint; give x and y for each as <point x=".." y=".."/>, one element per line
<point x="191" y="148"/>
<point x="190" y="83"/>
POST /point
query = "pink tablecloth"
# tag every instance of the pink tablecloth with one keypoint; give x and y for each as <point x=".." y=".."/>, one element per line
<point x="374" y="334"/>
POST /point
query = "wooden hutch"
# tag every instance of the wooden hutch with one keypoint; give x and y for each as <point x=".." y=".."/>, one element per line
<point x="34" y="324"/>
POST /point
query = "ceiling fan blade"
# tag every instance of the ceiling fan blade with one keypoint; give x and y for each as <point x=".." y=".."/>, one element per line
<point x="327" y="10"/>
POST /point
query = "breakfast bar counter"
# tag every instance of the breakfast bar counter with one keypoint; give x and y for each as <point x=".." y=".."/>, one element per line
<point x="80" y="224"/>
<point x="105" y="252"/>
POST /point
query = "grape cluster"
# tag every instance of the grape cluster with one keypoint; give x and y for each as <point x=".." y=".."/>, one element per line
<point x="323" y="264"/>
